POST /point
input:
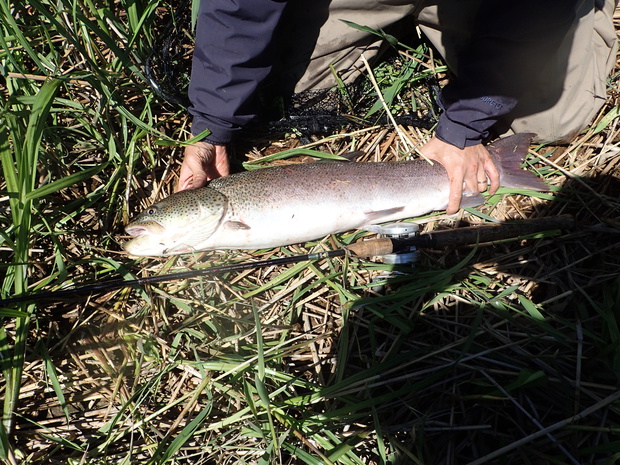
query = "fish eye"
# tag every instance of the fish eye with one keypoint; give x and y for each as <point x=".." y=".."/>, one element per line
<point x="151" y="211"/>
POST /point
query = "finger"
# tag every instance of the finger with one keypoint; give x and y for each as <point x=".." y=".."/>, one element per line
<point x="196" y="159"/>
<point x="191" y="176"/>
<point x="185" y="182"/>
<point x="456" y="194"/>
<point x="213" y="172"/>
<point x="482" y="181"/>
<point x="493" y="175"/>
<point x="186" y="177"/>
<point x="220" y="166"/>
<point x="471" y="178"/>
<point x="199" y="177"/>
<point x="190" y="179"/>
<point x="223" y="166"/>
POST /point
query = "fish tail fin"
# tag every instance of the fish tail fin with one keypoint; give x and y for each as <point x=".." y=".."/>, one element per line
<point x="508" y="153"/>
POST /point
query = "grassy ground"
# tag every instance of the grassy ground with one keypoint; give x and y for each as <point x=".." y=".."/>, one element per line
<point x="507" y="353"/>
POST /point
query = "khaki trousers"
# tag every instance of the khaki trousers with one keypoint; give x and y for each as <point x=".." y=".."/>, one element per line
<point x="318" y="39"/>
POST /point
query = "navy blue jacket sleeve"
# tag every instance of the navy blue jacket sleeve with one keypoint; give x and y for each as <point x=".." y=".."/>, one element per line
<point x="232" y="55"/>
<point x="510" y="43"/>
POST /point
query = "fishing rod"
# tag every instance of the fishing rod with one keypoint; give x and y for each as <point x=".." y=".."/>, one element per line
<point x="469" y="235"/>
<point x="363" y="249"/>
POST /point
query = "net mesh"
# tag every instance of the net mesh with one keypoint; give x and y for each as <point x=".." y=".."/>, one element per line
<point x="168" y="67"/>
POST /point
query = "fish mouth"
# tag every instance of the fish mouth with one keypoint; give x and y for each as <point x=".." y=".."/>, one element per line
<point x="144" y="245"/>
<point x="148" y="245"/>
<point x="136" y="231"/>
<point x="150" y="229"/>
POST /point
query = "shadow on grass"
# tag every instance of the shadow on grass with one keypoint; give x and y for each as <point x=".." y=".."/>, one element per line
<point x="494" y="357"/>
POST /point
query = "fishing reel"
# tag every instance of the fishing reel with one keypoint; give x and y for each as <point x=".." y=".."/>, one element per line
<point x="401" y="232"/>
<point x="408" y="255"/>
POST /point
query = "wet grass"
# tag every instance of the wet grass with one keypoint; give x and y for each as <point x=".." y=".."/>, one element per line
<point x="507" y="352"/>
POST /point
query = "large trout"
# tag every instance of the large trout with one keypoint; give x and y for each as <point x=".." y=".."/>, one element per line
<point x="284" y="205"/>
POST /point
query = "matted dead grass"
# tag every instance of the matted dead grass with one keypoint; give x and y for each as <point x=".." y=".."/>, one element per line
<point x="503" y="352"/>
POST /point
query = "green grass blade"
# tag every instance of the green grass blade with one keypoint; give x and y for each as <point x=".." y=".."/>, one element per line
<point x="10" y="22"/>
<point x="50" y="370"/>
<point x="65" y="182"/>
<point x="293" y="153"/>
<point x="37" y="123"/>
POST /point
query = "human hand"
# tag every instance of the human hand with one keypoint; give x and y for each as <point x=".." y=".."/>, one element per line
<point x="471" y="167"/>
<point x="201" y="163"/>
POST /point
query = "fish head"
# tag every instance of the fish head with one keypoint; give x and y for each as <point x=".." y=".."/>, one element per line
<point x="177" y="224"/>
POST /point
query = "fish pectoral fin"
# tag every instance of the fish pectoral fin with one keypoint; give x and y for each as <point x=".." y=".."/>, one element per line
<point x="471" y="199"/>
<point x="235" y="225"/>
<point x="177" y="249"/>
<point x="376" y="216"/>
